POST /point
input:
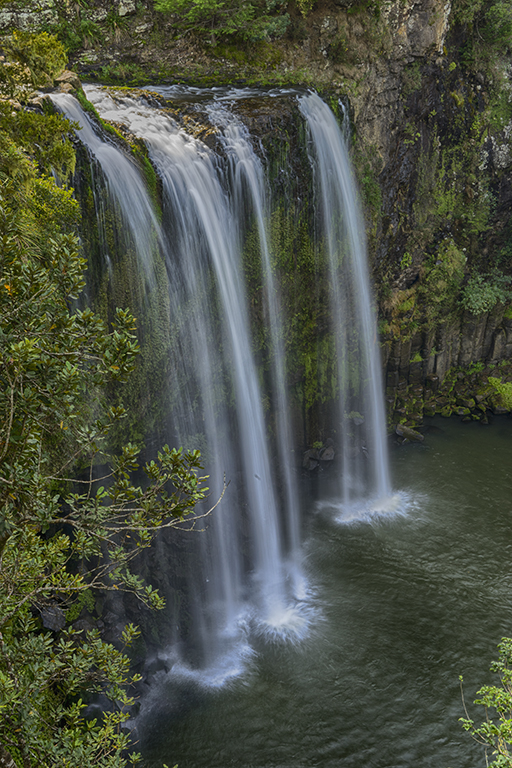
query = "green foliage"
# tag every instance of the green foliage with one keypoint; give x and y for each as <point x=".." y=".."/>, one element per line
<point x="44" y="56"/>
<point x="63" y="539"/>
<point x="83" y="600"/>
<point x="496" y="30"/>
<point x="339" y="51"/>
<point x="125" y="73"/>
<point x="305" y="6"/>
<point x="483" y="292"/>
<point x="406" y="260"/>
<point x="43" y="136"/>
<point x="457" y="193"/>
<point x="368" y="164"/>
<point x="412" y="135"/>
<point x="489" y="30"/>
<point x="443" y="275"/>
<point x="31" y="61"/>
<point x="115" y="22"/>
<point x="411" y="77"/>
<point x="503" y="390"/>
<point x="495" y="733"/>
<point x="464" y="11"/>
<point x="251" y="21"/>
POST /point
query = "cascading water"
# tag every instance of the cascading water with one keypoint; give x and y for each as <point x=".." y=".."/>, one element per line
<point x="247" y="173"/>
<point x="359" y="373"/>
<point x="247" y="578"/>
<point x="125" y="184"/>
<point x="203" y="251"/>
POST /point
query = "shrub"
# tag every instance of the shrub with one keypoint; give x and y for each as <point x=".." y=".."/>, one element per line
<point x="483" y="292"/>
<point x="503" y="391"/>
<point x="496" y="731"/>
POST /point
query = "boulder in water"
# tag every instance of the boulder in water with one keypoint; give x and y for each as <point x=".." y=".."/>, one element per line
<point x="327" y="453"/>
<point x="408" y="433"/>
<point x="310" y="459"/>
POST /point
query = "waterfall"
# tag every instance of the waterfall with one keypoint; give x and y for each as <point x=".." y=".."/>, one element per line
<point x="246" y="574"/>
<point x="359" y="371"/>
<point x="201" y="218"/>
<point x="124" y="181"/>
<point x="247" y="172"/>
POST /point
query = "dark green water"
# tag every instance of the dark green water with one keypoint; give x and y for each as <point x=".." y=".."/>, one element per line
<point x="406" y="603"/>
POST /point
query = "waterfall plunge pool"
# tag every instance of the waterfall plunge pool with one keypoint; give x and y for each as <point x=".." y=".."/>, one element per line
<point x="407" y="601"/>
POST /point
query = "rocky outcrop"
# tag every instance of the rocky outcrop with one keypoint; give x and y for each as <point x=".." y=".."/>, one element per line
<point x="406" y="33"/>
<point x="31" y="15"/>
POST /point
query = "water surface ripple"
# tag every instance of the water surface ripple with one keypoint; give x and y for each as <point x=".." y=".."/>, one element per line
<point x="406" y="602"/>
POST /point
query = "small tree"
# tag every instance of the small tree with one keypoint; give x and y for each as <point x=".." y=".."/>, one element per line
<point x="227" y="18"/>
<point x="495" y="733"/>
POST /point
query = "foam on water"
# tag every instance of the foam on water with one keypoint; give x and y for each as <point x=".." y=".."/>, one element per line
<point x="226" y="668"/>
<point x="367" y="510"/>
<point x="289" y="623"/>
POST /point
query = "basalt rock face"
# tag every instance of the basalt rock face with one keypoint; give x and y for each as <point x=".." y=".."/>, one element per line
<point x="405" y="35"/>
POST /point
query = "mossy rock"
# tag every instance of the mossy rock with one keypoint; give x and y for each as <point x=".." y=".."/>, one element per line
<point x="466" y="402"/>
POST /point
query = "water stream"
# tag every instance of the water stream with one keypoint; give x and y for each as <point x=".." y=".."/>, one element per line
<point x="247" y="173"/>
<point x="353" y="318"/>
<point x="127" y="190"/>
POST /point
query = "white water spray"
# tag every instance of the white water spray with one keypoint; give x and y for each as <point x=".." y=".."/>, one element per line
<point x="124" y="181"/>
<point x="357" y="352"/>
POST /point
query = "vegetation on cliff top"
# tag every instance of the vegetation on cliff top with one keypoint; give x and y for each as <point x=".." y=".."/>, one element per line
<point x="227" y="18"/>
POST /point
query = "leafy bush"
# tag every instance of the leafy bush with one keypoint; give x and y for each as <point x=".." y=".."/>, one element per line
<point x="305" y="6"/>
<point x="31" y="61"/>
<point x="496" y="731"/>
<point x="443" y="275"/>
<point x="489" y="28"/>
<point x="483" y="292"/>
<point x="227" y="18"/>
<point x="497" y="27"/>
<point x="503" y="391"/>
<point x="43" y="54"/>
